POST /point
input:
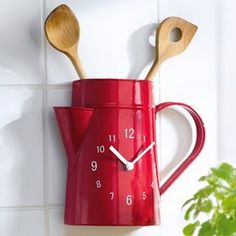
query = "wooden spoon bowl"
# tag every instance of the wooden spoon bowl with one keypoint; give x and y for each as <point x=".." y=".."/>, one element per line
<point x="167" y="47"/>
<point x="62" y="31"/>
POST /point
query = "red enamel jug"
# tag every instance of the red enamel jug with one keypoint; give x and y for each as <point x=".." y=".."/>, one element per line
<point x="109" y="135"/>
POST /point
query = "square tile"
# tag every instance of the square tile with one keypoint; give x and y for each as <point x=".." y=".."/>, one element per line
<point x="112" y="43"/>
<point x="198" y="63"/>
<point x="21" y="147"/>
<point x="56" y="157"/>
<point x="56" y="222"/>
<point x="22" y="223"/>
<point x="20" y="42"/>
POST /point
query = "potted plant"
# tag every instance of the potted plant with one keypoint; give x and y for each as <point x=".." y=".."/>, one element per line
<point x="212" y="209"/>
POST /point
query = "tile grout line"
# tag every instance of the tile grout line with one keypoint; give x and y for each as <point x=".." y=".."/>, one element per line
<point x="158" y="115"/>
<point x="44" y="114"/>
<point x="31" y="207"/>
<point x="51" y="86"/>
<point x="159" y="95"/>
<point x="218" y="81"/>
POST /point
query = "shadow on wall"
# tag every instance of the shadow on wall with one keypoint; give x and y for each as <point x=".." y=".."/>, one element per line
<point x="20" y="148"/>
<point x="140" y="51"/>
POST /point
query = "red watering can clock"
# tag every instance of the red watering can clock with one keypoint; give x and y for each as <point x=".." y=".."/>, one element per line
<point x="109" y="135"/>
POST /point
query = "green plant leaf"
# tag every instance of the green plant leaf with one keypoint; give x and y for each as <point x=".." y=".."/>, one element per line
<point x="205" y="206"/>
<point x="203" y="178"/>
<point x="225" y="226"/>
<point x="217" y="200"/>
<point x="213" y="180"/>
<point x="220" y="195"/>
<point x="229" y="203"/>
<point x="204" y="192"/>
<point x="225" y="171"/>
<point x="189" y="211"/>
<point x="196" y="213"/>
<point x="190" y="228"/>
<point x="206" y="229"/>
<point x="188" y="201"/>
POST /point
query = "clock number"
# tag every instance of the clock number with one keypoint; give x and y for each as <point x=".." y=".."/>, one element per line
<point x="100" y="149"/>
<point x="129" y="133"/>
<point x="112" y="194"/>
<point x="98" y="184"/>
<point x="112" y="137"/>
<point x="129" y="200"/>
<point x="94" y="165"/>
<point x="144" y="195"/>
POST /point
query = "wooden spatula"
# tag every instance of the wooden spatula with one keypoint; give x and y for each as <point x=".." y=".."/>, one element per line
<point x="166" y="47"/>
<point x="62" y="31"/>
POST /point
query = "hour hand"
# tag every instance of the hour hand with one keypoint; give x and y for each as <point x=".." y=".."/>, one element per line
<point x="118" y="155"/>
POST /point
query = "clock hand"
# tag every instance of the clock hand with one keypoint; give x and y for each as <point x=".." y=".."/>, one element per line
<point x="118" y="155"/>
<point x="143" y="153"/>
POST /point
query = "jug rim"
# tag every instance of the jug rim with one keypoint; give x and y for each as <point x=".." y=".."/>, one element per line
<point x="112" y="93"/>
<point x="113" y="79"/>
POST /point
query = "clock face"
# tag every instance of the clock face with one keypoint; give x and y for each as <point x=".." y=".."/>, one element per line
<point x="116" y="168"/>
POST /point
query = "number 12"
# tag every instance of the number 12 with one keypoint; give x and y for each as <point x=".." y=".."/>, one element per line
<point x="129" y="133"/>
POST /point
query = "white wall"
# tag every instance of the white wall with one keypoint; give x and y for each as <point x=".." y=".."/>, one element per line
<point x="114" y="43"/>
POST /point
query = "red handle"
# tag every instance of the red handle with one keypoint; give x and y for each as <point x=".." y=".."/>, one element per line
<point x="197" y="147"/>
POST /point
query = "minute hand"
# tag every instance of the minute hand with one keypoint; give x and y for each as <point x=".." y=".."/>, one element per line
<point x="143" y="153"/>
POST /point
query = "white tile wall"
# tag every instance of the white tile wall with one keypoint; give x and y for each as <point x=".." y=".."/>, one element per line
<point x="21" y="146"/>
<point x="227" y="82"/>
<point x="114" y="42"/>
<point x="21" y="42"/>
<point x="117" y="41"/>
<point x="22" y="222"/>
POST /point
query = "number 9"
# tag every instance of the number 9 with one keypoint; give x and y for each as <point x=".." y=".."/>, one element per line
<point x="94" y="165"/>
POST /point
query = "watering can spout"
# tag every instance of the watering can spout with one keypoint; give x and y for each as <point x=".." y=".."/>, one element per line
<point x="73" y="123"/>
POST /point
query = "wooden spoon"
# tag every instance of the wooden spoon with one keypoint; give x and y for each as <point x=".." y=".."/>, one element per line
<point x="167" y="47"/>
<point x="62" y="31"/>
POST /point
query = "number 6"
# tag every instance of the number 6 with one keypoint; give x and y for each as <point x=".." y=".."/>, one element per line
<point x="129" y="200"/>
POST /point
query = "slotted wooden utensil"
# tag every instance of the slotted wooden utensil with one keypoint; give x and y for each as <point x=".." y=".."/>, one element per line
<point x="167" y="47"/>
<point x="63" y="32"/>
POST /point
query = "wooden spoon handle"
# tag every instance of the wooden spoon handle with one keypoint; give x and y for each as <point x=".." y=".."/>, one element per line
<point x="153" y="70"/>
<point x="73" y="56"/>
